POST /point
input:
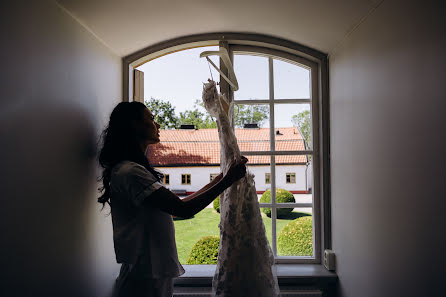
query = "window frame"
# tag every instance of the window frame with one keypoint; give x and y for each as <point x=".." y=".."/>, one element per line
<point x="267" y="178"/>
<point x="212" y="176"/>
<point x="318" y="61"/>
<point x="166" y="177"/>
<point x="187" y="178"/>
<point x="291" y="174"/>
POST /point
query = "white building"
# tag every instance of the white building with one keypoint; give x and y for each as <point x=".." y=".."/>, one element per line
<point x="190" y="158"/>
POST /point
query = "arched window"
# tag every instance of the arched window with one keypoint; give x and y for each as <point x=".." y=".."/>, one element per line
<point x="281" y="126"/>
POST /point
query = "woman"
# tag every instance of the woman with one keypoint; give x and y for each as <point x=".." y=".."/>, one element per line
<point x="141" y="208"/>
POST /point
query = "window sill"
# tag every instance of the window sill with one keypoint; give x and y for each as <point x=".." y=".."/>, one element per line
<point x="288" y="275"/>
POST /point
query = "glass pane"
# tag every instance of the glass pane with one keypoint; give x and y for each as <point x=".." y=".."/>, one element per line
<point x="177" y="79"/>
<point x="189" y="231"/>
<point x="294" y="179"/>
<point x="292" y="124"/>
<point x="253" y="77"/>
<point x="290" y="81"/>
<point x="295" y="233"/>
<point x="260" y="166"/>
<point x="252" y="122"/>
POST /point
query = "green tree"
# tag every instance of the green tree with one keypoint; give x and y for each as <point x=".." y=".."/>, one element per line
<point x="164" y="113"/>
<point x="246" y="114"/>
<point x="302" y="121"/>
<point x="198" y="117"/>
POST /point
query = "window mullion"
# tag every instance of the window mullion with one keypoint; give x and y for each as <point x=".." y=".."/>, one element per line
<point x="276" y="101"/>
<point x="273" y="158"/>
<point x="286" y="205"/>
<point x="273" y="205"/>
<point x="294" y="205"/>
<point x="276" y="153"/>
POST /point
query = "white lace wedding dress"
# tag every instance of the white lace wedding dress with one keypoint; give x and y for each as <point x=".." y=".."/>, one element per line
<point x="245" y="264"/>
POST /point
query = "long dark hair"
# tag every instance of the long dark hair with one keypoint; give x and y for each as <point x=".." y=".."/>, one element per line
<point x="120" y="142"/>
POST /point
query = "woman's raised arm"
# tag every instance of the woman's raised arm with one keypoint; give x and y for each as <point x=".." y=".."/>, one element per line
<point x="172" y="204"/>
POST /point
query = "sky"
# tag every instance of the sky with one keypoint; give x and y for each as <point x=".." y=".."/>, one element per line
<point x="179" y="77"/>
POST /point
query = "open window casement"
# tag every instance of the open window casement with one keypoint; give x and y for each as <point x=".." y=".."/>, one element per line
<point x="138" y="86"/>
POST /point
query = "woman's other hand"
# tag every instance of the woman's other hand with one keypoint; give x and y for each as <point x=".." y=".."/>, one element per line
<point x="237" y="170"/>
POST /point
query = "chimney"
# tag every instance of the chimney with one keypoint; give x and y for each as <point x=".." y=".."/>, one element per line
<point x="187" y="127"/>
<point x="251" y="126"/>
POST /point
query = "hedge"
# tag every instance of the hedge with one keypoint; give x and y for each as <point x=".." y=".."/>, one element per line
<point x="282" y="196"/>
<point x="216" y="204"/>
<point x="296" y="238"/>
<point x="205" y="251"/>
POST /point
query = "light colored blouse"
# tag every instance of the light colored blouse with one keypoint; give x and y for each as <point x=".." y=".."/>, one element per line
<point x="142" y="234"/>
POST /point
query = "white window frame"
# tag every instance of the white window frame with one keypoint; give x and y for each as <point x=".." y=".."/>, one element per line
<point x="258" y="44"/>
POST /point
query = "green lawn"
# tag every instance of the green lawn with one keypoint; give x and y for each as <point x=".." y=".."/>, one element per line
<point x="189" y="231"/>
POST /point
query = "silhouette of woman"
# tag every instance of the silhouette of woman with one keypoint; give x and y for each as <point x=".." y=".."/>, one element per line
<point x="141" y="208"/>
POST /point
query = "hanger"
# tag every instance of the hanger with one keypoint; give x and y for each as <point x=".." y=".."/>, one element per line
<point x="224" y="55"/>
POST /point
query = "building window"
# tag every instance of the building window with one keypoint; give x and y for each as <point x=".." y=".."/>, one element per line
<point x="267" y="178"/>
<point x="185" y="179"/>
<point x="291" y="178"/>
<point x="166" y="179"/>
<point x="212" y="176"/>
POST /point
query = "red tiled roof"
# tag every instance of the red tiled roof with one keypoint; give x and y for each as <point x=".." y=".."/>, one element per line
<point x="202" y="147"/>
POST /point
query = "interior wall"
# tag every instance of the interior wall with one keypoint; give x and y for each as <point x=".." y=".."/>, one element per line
<point x="388" y="147"/>
<point x="58" y="86"/>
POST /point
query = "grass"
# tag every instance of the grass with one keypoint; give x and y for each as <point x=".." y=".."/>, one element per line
<point x="189" y="231"/>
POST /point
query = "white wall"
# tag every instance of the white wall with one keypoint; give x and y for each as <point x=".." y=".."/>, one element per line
<point x="200" y="176"/>
<point x="301" y="179"/>
<point x="388" y="149"/>
<point x="58" y="84"/>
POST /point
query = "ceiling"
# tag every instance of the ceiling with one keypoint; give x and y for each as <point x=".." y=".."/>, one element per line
<point x="127" y="26"/>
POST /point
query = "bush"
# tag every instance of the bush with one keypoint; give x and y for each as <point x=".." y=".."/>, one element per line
<point x="205" y="251"/>
<point x="282" y="196"/>
<point x="216" y="204"/>
<point x="296" y="238"/>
